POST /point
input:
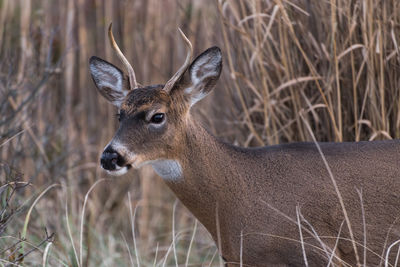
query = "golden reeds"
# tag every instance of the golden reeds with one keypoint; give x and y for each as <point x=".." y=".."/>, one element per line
<point x="289" y="65"/>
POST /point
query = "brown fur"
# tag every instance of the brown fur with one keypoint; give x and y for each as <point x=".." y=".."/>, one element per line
<point x="256" y="196"/>
<point x="250" y="186"/>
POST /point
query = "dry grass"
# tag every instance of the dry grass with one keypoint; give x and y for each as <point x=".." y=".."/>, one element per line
<point x="332" y="65"/>
<point x="335" y="62"/>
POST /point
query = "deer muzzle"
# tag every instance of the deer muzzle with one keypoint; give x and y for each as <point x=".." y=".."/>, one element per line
<point x="113" y="162"/>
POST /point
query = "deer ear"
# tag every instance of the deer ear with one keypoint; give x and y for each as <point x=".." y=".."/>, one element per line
<point x="109" y="80"/>
<point x="204" y="73"/>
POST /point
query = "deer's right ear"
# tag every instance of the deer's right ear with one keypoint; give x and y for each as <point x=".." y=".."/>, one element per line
<point x="109" y="80"/>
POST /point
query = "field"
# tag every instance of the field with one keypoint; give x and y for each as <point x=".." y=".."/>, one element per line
<point x="293" y="71"/>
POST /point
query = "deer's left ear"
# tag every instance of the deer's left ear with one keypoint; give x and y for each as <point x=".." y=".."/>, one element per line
<point x="204" y="73"/>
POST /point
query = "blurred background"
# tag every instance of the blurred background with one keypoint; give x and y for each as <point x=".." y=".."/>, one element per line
<point x="332" y="66"/>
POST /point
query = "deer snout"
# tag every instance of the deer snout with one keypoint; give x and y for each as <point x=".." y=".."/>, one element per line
<point x="111" y="160"/>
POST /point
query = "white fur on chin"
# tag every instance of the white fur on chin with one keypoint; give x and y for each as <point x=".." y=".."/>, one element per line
<point x="118" y="172"/>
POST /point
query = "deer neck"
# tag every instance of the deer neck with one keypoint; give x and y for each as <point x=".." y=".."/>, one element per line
<point x="207" y="174"/>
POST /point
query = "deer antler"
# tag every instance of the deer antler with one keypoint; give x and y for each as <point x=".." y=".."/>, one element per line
<point x="131" y="72"/>
<point x="168" y="86"/>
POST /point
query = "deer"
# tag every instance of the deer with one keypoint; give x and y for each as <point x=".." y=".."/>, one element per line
<point x="295" y="204"/>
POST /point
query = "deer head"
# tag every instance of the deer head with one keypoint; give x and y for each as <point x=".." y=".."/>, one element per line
<point x="152" y="118"/>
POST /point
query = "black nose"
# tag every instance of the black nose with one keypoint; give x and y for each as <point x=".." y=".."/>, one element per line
<point x="110" y="159"/>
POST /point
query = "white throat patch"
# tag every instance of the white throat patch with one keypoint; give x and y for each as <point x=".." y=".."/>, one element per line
<point x="168" y="169"/>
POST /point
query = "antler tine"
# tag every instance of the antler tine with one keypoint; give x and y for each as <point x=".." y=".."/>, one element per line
<point x="168" y="86"/>
<point x="131" y="72"/>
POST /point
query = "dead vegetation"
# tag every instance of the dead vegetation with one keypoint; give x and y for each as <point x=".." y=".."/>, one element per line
<point x="332" y="65"/>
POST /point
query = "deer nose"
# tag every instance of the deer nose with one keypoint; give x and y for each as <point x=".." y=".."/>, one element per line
<point x="110" y="159"/>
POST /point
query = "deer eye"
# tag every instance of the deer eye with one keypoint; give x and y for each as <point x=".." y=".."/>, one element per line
<point x="157" y="118"/>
